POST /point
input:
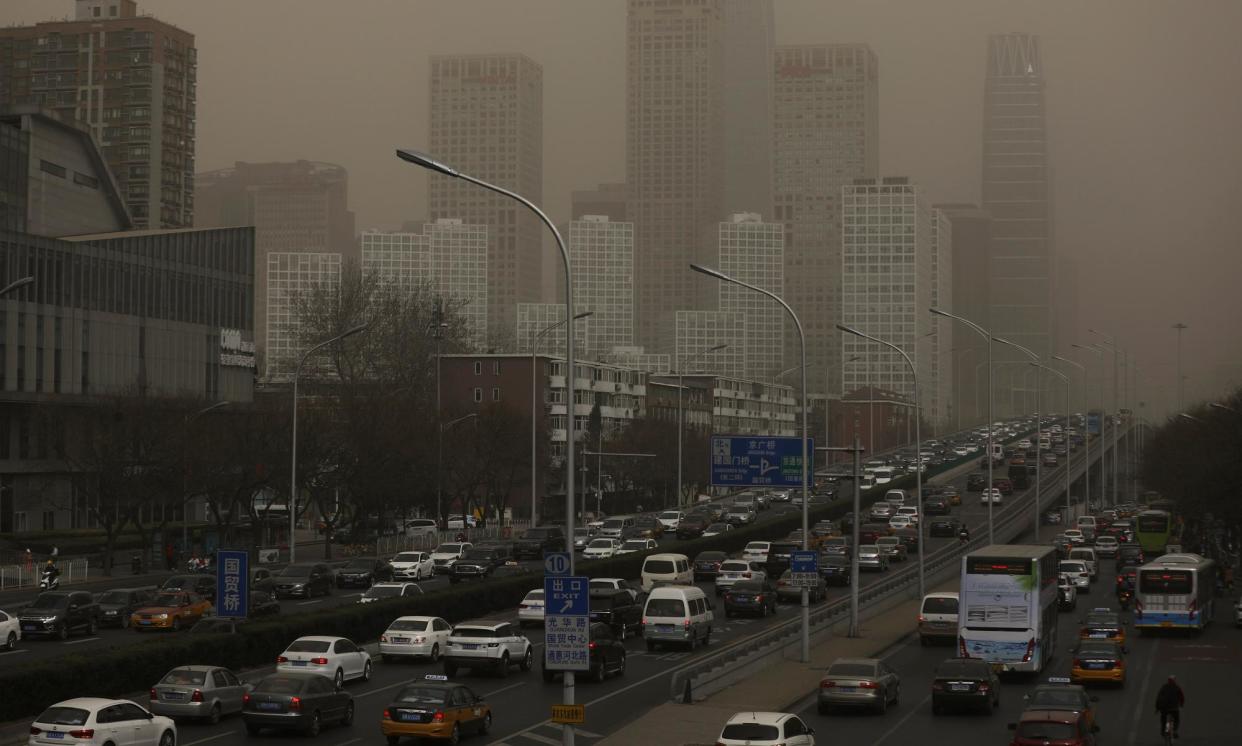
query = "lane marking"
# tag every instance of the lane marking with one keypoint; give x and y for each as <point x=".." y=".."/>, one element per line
<point x="212" y="738"/>
<point x="542" y="739"/>
<point x="15" y="652"/>
<point x="1139" y="704"/>
<point x="308" y="603"/>
<point x="352" y="740"/>
<point x="903" y="720"/>
<point x="79" y="642"/>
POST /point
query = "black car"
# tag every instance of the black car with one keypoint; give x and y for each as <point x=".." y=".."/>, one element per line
<point x="936" y="506"/>
<point x="835" y="568"/>
<point x="943" y="527"/>
<point x="262" y="579"/>
<point x="476" y="563"/>
<point x="707" y="565"/>
<point x="538" y="540"/>
<point x="304" y="580"/>
<point x="692" y="526"/>
<point x="116" y="605"/>
<point x="619" y="610"/>
<point x="607" y="654"/>
<point x="363" y="572"/>
<point x="1129" y="555"/>
<point x="263" y="603"/>
<point x="203" y="585"/>
<point x="779" y="553"/>
<point x="965" y="682"/>
<point x="750" y="597"/>
<point x="787" y="591"/>
<point x="296" y="701"/>
<point x="976" y="481"/>
<point x="847" y="523"/>
<point x="59" y="613"/>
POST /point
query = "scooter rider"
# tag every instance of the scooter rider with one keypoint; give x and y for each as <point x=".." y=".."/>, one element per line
<point x="51" y="576"/>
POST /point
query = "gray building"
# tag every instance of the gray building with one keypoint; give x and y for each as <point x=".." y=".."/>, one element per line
<point x="970" y="298"/>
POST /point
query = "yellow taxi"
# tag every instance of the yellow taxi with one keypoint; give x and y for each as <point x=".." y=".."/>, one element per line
<point x="172" y="610"/>
<point x="1103" y="624"/>
<point x="954" y="497"/>
<point x="435" y="708"/>
<point x="1098" y="662"/>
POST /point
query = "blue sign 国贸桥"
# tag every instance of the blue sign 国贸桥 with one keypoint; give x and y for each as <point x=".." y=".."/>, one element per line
<point x="751" y="461"/>
<point x="566" y="614"/>
<point x="232" y="583"/>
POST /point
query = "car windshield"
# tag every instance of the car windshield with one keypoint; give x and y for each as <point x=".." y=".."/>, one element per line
<point x="280" y="685"/>
<point x="184" y="677"/>
<point x="114" y="597"/>
<point x="851" y="669"/>
<point x="408" y="625"/>
<point x="1058" y="698"/>
<point x="473" y="632"/>
<point x="635" y="544"/>
<point x="658" y="567"/>
<point x="710" y="557"/>
<point x="449" y="549"/>
<point x="666" y="607"/>
<point x="600" y="544"/>
<point x="718" y="527"/>
<point x="408" y="557"/>
<point x="750" y="732"/>
<point x="308" y="646"/>
<point x="752" y="586"/>
<point x="169" y="599"/>
<point x="939" y="605"/>
<point x="63" y="716"/>
<point x="477" y="554"/>
<point x="1047" y="731"/>
<point x="421" y="695"/>
<point x="48" y="601"/>
<point x="383" y="591"/>
<point x="614" y="523"/>
<point x="835" y="560"/>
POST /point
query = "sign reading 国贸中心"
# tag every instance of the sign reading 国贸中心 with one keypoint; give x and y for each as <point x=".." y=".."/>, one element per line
<point x="753" y="461"/>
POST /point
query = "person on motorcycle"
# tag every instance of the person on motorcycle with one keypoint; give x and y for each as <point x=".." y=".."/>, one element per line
<point x="51" y="573"/>
<point x="963" y="534"/>
<point x="1169" y="702"/>
<point x="1125" y="591"/>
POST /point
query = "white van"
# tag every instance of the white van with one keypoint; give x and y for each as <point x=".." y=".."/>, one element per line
<point x="677" y="614"/>
<point x="896" y="498"/>
<point x="617" y="527"/>
<point x="1086" y="520"/>
<point x="666" y="568"/>
<point x="884" y="474"/>
<point x="1087" y="556"/>
<point x="938" y="617"/>
<point x="866" y="482"/>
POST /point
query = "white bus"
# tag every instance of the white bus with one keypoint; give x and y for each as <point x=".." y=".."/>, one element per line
<point x="1175" y="592"/>
<point x="1008" y="608"/>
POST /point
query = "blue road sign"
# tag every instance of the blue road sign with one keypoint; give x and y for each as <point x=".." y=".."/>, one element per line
<point x="556" y="564"/>
<point x="750" y="461"/>
<point x="804" y="560"/>
<point x="566" y="613"/>
<point x="232" y="583"/>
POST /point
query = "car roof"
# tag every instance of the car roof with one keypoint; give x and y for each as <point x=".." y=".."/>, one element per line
<point x="194" y="668"/>
<point x="483" y="623"/>
<point x="943" y="594"/>
<point x="765" y="718"/>
<point x="861" y="661"/>
<point x="319" y="638"/>
<point x="415" y="618"/>
<point x="86" y="703"/>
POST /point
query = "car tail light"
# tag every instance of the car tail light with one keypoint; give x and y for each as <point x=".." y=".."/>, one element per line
<point x="246" y="698"/>
<point x="82" y="733"/>
<point x="868" y="685"/>
<point x="644" y="622"/>
<point x="154" y="695"/>
<point x="759" y="598"/>
<point x="1030" y="650"/>
<point x="961" y="646"/>
<point x="197" y="696"/>
<point x="35" y="731"/>
<point x="387" y="714"/>
<point x="827" y="684"/>
<point x="319" y="661"/>
<point x="983" y="687"/>
<point x="493" y="644"/>
<point x="937" y="686"/>
<point x="746" y="575"/>
<point x="295" y="703"/>
<point x="438" y="717"/>
<point x="281" y="659"/>
<point x="383" y="638"/>
<point x="590" y="646"/>
<point x="686" y="624"/>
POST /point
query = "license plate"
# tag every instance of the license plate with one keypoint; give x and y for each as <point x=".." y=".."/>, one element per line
<point x="144" y="621"/>
<point x="269" y="705"/>
<point x="399" y="639"/>
<point x="174" y="695"/>
<point x="299" y="663"/>
<point x="847" y="688"/>
<point x="959" y="687"/>
<point x="55" y="734"/>
<point x="469" y="646"/>
<point x="28" y="628"/>
<point x="664" y="628"/>
<point x="1166" y="624"/>
<point x="1098" y="635"/>
<point x="411" y="717"/>
<point x="1096" y="666"/>
<point x="742" y="599"/>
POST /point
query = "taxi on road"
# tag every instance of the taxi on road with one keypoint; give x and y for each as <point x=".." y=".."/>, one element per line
<point x="1099" y="661"/>
<point x="1059" y="694"/>
<point x="435" y="708"/>
<point x="170" y="610"/>
<point x="1062" y="727"/>
<point x="1103" y="624"/>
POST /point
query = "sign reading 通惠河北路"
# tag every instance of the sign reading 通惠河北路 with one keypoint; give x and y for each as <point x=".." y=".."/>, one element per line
<point x="750" y="461"/>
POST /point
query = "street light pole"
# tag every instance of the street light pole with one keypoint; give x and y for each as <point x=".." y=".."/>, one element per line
<point x="918" y="438"/>
<point x="806" y="496"/>
<point x="681" y="420"/>
<point x="185" y="477"/>
<point x="1039" y="426"/>
<point x="534" y="413"/>
<point x="987" y="336"/>
<point x="426" y="161"/>
<point x="1111" y="345"/>
<point x="1086" y="439"/>
<point x="14" y="285"/>
<point x="1103" y="421"/>
<point x="293" y="467"/>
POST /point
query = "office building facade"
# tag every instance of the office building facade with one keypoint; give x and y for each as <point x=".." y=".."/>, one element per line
<point x="695" y="333"/>
<point x="292" y="276"/>
<point x="939" y="365"/>
<point x="754" y="252"/>
<point x="606" y="199"/>
<point x="971" y="299"/>
<point x="541" y="328"/>
<point x="603" y="268"/>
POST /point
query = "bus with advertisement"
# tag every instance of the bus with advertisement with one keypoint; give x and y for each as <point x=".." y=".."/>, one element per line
<point x="1175" y="592"/>
<point x="1008" y="607"/>
<point x="1152" y="529"/>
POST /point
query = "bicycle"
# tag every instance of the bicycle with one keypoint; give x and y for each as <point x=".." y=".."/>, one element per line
<point x="1168" y="731"/>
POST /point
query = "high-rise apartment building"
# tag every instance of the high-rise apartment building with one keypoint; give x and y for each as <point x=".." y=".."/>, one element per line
<point x="886" y="282"/>
<point x="486" y="115"/>
<point x="603" y="266"/>
<point x="749" y="41"/>
<point x="291" y="275"/>
<point x="826" y="135"/>
<point x="1016" y="194"/>
<point x="939" y="365"/>
<point x="754" y="252"/>
<point x="541" y="328"/>
<point x="133" y="81"/>
<point x="448" y="259"/>
<point x="696" y="333"/>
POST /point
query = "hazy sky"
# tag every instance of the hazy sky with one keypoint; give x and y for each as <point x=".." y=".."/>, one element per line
<point x="1143" y="100"/>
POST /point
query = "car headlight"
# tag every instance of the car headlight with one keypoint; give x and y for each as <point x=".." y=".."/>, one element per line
<point x="47" y="619"/>
<point x="111" y="612"/>
<point x="162" y="616"/>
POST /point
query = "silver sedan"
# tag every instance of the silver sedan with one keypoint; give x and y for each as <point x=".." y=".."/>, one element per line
<point x="858" y="682"/>
<point x="871" y="557"/>
<point x="206" y="692"/>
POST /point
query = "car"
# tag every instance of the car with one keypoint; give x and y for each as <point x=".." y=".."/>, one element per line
<point x="670" y="519"/>
<point x="835" y="545"/>
<point x="10" y="631"/>
<point x="952" y="495"/>
<point x="631" y="546"/>
<point x="937" y="505"/>
<point x="740" y="515"/>
<point x="334" y="658"/>
<point x="363" y="572"/>
<point x="304" y="580"/>
<point x="894" y="550"/>
<point x="716" y="529"/>
<point x="965" y="682"/>
<point x="1075" y="536"/>
<point x="938" y="617"/>
<point x="900" y="521"/>
<point x="493" y="645"/>
<point x="59" y="614"/>
<point x="943" y="527"/>
<point x="296" y="701"/>
<point x="1065" y="727"/>
<point x="387" y="591"/>
<point x="531" y="609"/>
<point x="601" y="548"/>
<point x="201" y="692"/>
<point x="461" y="522"/>
<point x="262" y="579"/>
<point x="415" y="636"/>
<point x="445" y="555"/>
<point x="1087" y="555"/>
<point x="707" y="564"/>
<point x="733" y="571"/>
<point x="1067" y="592"/>
<point x="976" y="481"/>
<point x="787" y="591"/>
<point x="605" y="654"/>
<point x="693" y="526"/>
<point x="869" y="532"/>
<point x="617" y="527"/>
<point x="1098" y="662"/>
<point x="881" y="512"/>
<point x="756" y="551"/>
<point x="618" y="609"/>
<point x="117" y="605"/>
<point x="1024" y="444"/>
<point x="991" y="493"/>
<point x="1102" y="623"/>
<point x="117" y="721"/>
<point x="1077" y="572"/>
<point x="766" y="729"/>
<point x="871" y="557"/>
<point x="1130" y="555"/>
<point x="477" y="562"/>
<point x="412" y="566"/>
<point x="437" y="709"/>
<point x="582" y="537"/>
<point x="1053" y="517"/>
<point x="537" y="541"/>
<point x="421" y="528"/>
<point x="645" y="527"/>
<point x="961" y="451"/>
<point x="203" y="585"/>
<point x="607" y="585"/>
<point x="858" y="682"/>
<point x="171" y="610"/>
<point x="779" y="555"/>
<point x="835" y="569"/>
<point x="1060" y="694"/>
<point x="757" y="597"/>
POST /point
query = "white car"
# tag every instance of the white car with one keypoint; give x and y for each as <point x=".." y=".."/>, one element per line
<point x="990" y="492"/>
<point x="422" y="636"/>
<point x="731" y="571"/>
<point x="604" y="586"/>
<point x="385" y="591"/>
<point x="1068" y="590"/>
<point x="1076" y="571"/>
<point x="900" y="521"/>
<point x="601" y="548"/>
<point x="961" y="451"/>
<point x="90" y="721"/>
<point x="1024" y="444"/>
<point x="757" y="551"/>
<point x="10" y="631"/>
<point x="766" y="729"/>
<point x="458" y="522"/>
<point x="421" y="528"/>
<point x="530" y="611"/>
<point x="446" y="554"/>
<point x="1107" y="546"/>
<point x="740" y="514"/>
<point x="637" y="545"/>
<point x="911" y="511"/>
<point x="670" y="518"/>
<point x="412" y="566"/>
<point x="495" y="645"/>
<point x="336" y="658"/>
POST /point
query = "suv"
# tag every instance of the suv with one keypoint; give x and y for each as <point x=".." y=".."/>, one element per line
<point x="779" y="553"/>
<point x="58" y="613"/>
<point x="1129" y="554"/>
<point x="478" y="562"/>
<point x="446" y="555"/>
<point x="363" y="572"/>
<point x="494" y="645"/>
<point x="692" y="526"/>
<point x="619" y="610"/>
<point x="976" y="481"/>
<point x="538" y="540"/>
<point x="607" y="654"/>
<point x="300" y="580"/>
<point x="117" y="604"/>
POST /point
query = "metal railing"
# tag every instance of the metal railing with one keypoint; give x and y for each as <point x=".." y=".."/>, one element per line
<point x="13" y="577"/>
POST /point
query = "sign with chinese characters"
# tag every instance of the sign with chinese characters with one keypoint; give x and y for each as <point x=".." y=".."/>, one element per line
<point x="234" y="352"/>
<point x="753" y="461"/>
<point x="566" y="614"/>
<point x="804" y="568"/>
<point x="232" y="583"/>
<point x="569" y="714"/>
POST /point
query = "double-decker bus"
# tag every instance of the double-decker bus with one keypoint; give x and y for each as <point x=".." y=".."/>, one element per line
<point x="1175" y="592"/>
<point x="1152" y="528"/>
<point x="1008" y="606"/>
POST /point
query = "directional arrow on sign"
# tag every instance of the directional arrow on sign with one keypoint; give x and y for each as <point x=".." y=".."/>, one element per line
<point x="568" y="605"/>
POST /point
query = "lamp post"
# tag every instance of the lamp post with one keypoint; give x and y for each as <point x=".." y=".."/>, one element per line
<point x="681" y="420"/>
<point x="14" y="285"/>
<point x="1086" y="439"/>
<point x="293" y="467"/>
<point x="1224" y="408"/>
<point x="1039" y="426"/>
<point x="534" y="413"/>
<point x="918" y="438"/>
<point x="1180" y="327"/>
<point x="987" y="336"/>
<point x="427" y="162"/>
<point x="440" y="464"/>
<point x="806" y="497"/>
<point x="185" y="479"/>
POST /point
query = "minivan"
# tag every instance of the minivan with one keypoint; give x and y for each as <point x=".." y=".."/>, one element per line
<point x="896" y="497"/>
<point x="677" y="614"/>
<point x="1086" y="520"/>
<point x="1087" y="555"/>
<point x="938" y="617"/>
<point x="666" y="568"/>
<point x="617" y="528"/>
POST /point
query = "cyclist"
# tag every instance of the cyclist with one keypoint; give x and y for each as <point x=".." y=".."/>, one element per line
<point x="1169" y="701"/>
<point x="963" y="534"/>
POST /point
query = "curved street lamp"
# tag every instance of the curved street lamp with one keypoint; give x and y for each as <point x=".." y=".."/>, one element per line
<point x="681" y="420"/>
<point x="534" y="412"/>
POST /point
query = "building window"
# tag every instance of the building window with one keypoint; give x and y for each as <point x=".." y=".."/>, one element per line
<point x="495" y="394"/>
<point x="48" y="167"/>
<point x="49" y="520"/>
<point x="84" y="180"/>
<point x="478" y="369"/>
<point x="495" y="367"/>
<point x="95" y="11"/>
<point x="478" y="395"/>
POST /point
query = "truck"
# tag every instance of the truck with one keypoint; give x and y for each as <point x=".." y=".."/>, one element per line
<point x="1018" y="473"/>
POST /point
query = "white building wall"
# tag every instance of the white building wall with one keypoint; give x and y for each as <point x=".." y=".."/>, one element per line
<point x="603" y="266"/>
<point x="699" y="331"/>
<point x="289" y="275"/>
<point x="754" y="252"/>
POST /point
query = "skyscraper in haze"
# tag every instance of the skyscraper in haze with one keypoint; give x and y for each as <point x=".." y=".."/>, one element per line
<point x="486" y="114"/>
<point x="1016" y="194"/>
<point x="688" y="98"/>
<point x="972" y="245"/>
<point x="826" y="135"/>
<point x="132" y="80"/>
<point x="754" y="252"/>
